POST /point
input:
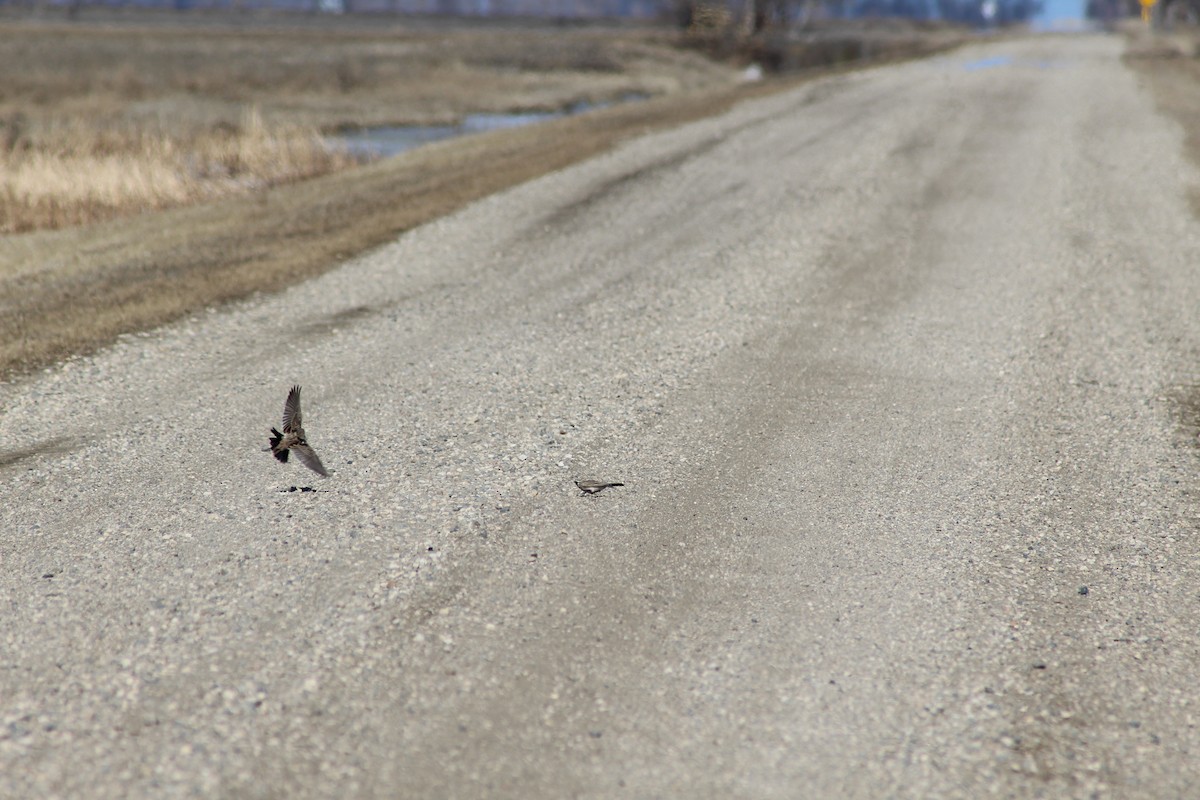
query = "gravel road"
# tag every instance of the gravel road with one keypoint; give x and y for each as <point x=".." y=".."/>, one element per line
<point x="900" y="370"/>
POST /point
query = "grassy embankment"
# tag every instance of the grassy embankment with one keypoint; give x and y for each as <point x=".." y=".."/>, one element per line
<point x="128" y="123"/>
<point x="1169" y="64"/>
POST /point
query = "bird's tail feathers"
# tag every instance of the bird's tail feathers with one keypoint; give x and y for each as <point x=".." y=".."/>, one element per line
<point x="276" y="438"/>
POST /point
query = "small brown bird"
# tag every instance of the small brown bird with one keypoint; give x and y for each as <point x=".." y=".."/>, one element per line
<point x="591" y="487"/>
<point x="292" y="439"/>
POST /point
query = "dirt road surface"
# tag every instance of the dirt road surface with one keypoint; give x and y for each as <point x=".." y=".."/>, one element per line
<point x="899" y="371"/>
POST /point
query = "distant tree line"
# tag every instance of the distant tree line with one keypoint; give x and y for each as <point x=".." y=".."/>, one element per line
<point x="747" y="15"/>
<point x="566" y="9"/>
<point x="757" y="15"/>
<point x="1169" y="13"/>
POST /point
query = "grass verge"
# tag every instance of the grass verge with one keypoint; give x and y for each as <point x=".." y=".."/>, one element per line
<point x="1169" y="64"/>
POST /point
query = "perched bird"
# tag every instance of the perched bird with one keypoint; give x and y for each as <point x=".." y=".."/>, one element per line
<point x="292" y="439"/>
<point x="591" y="487"/>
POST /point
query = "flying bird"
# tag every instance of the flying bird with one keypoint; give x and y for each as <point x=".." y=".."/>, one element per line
<point x="591" y="487"/>
<point x="292" y="439"/>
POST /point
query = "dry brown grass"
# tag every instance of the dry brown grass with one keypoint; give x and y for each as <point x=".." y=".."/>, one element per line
<point x="156" y="111"/>
<point x="184" y="72"/>
<point x="74" y="173"/>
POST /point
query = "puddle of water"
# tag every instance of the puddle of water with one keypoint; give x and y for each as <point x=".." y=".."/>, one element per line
<point x="987" y="63"/>
<point x="386" y="141"/>
<point x="389" y="141"/>
<point x="994" y="62"/>
<point x="1067" y="25"/>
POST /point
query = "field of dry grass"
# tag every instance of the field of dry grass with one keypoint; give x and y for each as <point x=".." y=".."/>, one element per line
<point x="193" y="87"/>
<point x="121" y="115"/>
<point x="73" y="173"/>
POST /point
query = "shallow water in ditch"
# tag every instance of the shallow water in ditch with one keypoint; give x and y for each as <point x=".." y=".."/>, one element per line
<point x="385" y="141"/>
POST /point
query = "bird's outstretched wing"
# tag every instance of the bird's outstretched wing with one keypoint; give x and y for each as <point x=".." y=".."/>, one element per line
<point x="309" y="459"/>
<point x="291" y="411"/>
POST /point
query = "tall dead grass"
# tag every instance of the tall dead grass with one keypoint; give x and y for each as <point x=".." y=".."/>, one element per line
<point x="65" y="173"/>
<point x="121" y="112"/>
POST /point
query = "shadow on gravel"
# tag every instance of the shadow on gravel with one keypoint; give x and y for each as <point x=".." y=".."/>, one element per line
<point x="59" y="444"/>
<point x="1186" y="402"/>
<point x="339" y="319"/>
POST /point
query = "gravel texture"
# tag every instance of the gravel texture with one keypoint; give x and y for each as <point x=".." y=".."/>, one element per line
<point x="892" y="367"/>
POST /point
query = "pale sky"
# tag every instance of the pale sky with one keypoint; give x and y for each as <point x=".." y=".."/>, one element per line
<point x="1063" y="9"/>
